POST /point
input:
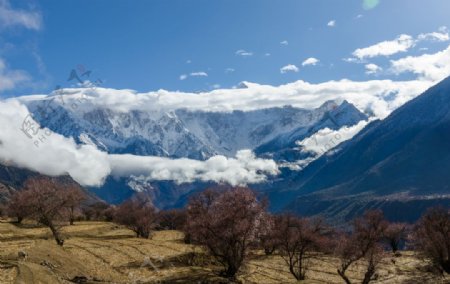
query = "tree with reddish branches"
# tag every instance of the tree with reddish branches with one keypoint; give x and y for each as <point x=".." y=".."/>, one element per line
<point x="299" y="240"/>
<point x="394" y="235"/>
<point x="75" y="196"/>
<point x="45" y="199"/>
<point x="268" y="233"/>
<point x="137" y="214"/>
<point x="18" y="207"/>
<point x="362" y="244"/>
<point x="431" y="237"/>
<point x="173" y="219"/>
<point x="226" y="222"/>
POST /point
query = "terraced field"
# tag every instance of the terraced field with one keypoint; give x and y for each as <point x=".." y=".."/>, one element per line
<point x="100" y="252"/>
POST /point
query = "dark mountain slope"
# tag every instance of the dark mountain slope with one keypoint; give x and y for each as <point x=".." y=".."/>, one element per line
<point x="405" y="157"/>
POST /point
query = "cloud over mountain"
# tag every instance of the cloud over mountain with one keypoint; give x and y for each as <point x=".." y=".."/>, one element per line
<point x="53" y="154"/>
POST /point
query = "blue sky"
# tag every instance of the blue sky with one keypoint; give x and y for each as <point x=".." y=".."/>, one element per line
<point x="148" y="45"/>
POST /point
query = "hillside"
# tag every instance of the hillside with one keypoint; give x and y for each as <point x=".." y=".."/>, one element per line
<point x="98" y="252"/>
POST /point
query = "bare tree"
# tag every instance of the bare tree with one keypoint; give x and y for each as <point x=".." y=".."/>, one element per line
<point x="299" y="241"/>
<point x="46" y="198"/>
<point x="137" y="215"/>
<point x="97" y="211"/>
<point x="74" y="196"/>
<point x="173" y="219"/>
<point x="18" y="207"/>
<point x="432" y="237"/>
<point x="362" y="244"/>
<point x="226" y="222"/>
<point x="394" y="235"/>
<point x="268" y="233"/>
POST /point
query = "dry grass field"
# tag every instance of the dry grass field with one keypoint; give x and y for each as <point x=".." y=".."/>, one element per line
<point x="100" y="252"/>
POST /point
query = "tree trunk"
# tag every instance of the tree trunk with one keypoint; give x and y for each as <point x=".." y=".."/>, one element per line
<point x="343" y="276"/>
<point x="56" y="234"/>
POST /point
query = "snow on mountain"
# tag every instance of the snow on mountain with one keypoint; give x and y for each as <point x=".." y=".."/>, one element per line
<point x="272" y="133"/>
<point x="185" y="133"/>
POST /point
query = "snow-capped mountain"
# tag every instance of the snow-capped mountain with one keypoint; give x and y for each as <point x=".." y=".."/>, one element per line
<point x="183" y="133"/>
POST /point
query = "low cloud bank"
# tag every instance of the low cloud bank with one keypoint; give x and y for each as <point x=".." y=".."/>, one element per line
<point x="23" y="144"/>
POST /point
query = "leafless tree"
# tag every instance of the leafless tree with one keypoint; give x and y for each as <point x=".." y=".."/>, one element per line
<point x="226" y="222"/>
<point x="362" y="244"/>
<point x="173" y="219"/>
<point x="268" y="233"/>
<point x="75" y="196"/>
<point x="137" y="215"/>
<point x="46" y="199"/>
<point x="18" y="207"/>
<point x="432" y="237"/>
<point x="96" y="211"/>
<point x="394" y="235"/>
<point x="299" y="239"/>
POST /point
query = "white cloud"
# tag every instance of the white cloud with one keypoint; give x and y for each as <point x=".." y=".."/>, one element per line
<point x="359" y="16"/>
<point x="386" y="48"/>
<point x="199" y="74"/>
<point x="10" y="17"/>
<point x="244" y="53"/>
<point x="402" y="43"/>
<point x="331" y="23"/>
<point x="372" y="69"/>
<point x="193" y="74"/>
<point x="243" y="169"/>
<point x="432" y="67"/>
<point x="365" y="95"/>
<point x="53" y="154"/>
<point x="288" y="68"/>
<point x="326" y="139"/>
<point x="284" y="42"/>
<point x="10" y="79"/>
<point x="267" y="54"/>
<point x="441" y="35"/>
<point x="310" y="61"/>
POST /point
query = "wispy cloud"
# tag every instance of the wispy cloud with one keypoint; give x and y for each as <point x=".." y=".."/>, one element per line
<point x="244" y="53"/>
<point x="229" y="70"/>
<point x="386" y="48"/>
<point x="288" y="68"/>
<point x="10" y="79"/>
<point x="401" y="44"/>
<point x="193" y="74"/>
<point x="10" y="17"/>
<point x="199" y="74"/>
<point x="284" y="42"/>
<point x="332" y="23"/>
<point x="440" y="35"/>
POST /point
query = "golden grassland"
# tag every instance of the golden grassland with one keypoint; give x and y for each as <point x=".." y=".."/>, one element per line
<point x="102" y="252"/>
